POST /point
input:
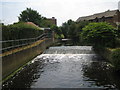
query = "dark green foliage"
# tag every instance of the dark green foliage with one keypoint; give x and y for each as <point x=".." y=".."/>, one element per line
<point x="99" y="34"/>
<point x="20" y="31"/>
<point x="118" y="31"/>
<point x="57" y="31"/>
<point x="46" y="23"/>
<point x="72" y="30"/>
<point x="115" y="58"/>
<point x="30" y="15"/>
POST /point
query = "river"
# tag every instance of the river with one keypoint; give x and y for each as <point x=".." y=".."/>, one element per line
<point x="66" y="67"/>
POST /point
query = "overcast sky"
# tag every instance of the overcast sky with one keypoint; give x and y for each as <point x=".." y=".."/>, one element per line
<point x="62" y="10"/>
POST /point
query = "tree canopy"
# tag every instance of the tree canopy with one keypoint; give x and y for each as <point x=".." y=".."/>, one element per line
<point x="30" y="15"/>
<point x="97" y="34"/>
<point x="72" y="30"/>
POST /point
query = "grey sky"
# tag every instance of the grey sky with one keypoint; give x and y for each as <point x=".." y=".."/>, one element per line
<point x="63" y="10"/>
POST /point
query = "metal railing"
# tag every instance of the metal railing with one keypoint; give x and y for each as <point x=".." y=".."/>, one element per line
<point x="12" y="44"/>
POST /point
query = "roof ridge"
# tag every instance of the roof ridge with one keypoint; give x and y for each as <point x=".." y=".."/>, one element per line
<point x="107" y="13"/>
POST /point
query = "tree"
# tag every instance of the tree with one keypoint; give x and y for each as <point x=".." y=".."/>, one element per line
<point x="72" y="30"/>
<point x="99" y="34"/>
<point x="58" y="32"/>
<point x="67" y="28"/>
<point x="46" y="23"/>
<point x="118" y="31"/>
<point x="30" y="15"/>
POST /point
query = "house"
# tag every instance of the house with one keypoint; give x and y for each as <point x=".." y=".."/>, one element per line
<point x="110" y="16"/>
<point x="52" y="21"/>
<point x="31" y="23"/>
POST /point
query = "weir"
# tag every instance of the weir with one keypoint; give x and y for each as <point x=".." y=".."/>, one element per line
<point x="66" y="67"/>
<point x="69" y="50"/>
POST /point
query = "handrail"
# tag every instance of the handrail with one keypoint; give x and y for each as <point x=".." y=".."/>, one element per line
<point x="27" y="41"/>
<point x="22" y="39"/>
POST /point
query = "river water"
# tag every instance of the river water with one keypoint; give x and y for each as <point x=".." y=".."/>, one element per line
<point x="66" y="67"/>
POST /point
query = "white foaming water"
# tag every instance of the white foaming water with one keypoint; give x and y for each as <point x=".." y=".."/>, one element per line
<point x="70" y="50"/>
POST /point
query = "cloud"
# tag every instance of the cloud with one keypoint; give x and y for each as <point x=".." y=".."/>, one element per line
<point x="69" y="9"/>
<point x="11" y="11"/>
<point x="119" y="5"/>
<point x="61" y="9"/>
<point x="14" y="0"/>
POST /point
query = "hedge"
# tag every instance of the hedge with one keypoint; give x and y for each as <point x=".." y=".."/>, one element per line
<point x="115" y="58"/>
<point x="20" y="31"/>
<point x="112" y="55"/>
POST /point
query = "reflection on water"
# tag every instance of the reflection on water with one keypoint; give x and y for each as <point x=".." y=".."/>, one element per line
<point x="66" y="67"/>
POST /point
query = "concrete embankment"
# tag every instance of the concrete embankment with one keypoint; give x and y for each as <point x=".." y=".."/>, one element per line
<point x="12" y="61"/>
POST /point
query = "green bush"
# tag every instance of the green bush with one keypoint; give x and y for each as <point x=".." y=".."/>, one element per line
<point x="115" y="58"/>
<point x="72" y="30"/>
<point x="117" y="42"/>
<point x="99" y="34"/>
<point x="118" y="31"/>
<point x="20" y="31"/>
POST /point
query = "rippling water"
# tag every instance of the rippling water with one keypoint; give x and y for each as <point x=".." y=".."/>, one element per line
<point x="66" y="67"/>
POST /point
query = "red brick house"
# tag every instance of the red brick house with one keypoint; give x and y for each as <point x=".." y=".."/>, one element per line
<point x="112" y="17"/>
<point x="52" y="20"/>
<point x="31" y="23"/>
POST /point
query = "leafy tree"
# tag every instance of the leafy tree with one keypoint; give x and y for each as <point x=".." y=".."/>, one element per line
<point x="30" y="15"/>
<point x="81" y="25"/>
<point x="99" y="34"/>
<point x="58" y="32"/>
<point x="118" y="31"/>
<point x="72" y="30"/>
<point x="46" y="23"/>
<point x="67" y="28"/>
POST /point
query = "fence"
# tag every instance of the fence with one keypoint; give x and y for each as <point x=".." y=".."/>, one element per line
<point x="12" y="44"/>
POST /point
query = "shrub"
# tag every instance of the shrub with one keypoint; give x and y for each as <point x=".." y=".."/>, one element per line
<point x="118" y="31"/>
<point x="20" y="31"/>
<point x="115" y="58"/>
<point x="99" y="34"/>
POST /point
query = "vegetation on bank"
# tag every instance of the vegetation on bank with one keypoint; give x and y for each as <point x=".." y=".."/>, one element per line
<point x="99" y="34"/>
<point x="72" y="30"/>
<point x="115" y="58"/>
<point x="112" y="55"/>
<point x="20" y="30"/>
<point x="17" y="31"/>
<point x="105" y="40"/>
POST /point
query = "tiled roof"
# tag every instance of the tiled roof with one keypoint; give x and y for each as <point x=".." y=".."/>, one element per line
<point x="98" y="15"/>
<point x="31" y="23"/>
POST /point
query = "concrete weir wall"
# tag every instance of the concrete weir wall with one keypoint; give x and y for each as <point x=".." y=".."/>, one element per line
<point x="12" y="62"/>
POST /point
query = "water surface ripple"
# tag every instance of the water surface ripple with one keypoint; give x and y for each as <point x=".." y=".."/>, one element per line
<point x="66" y="67"/>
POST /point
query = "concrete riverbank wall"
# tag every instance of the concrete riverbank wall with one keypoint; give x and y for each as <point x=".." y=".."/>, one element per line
<point x="12" y="62"/>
